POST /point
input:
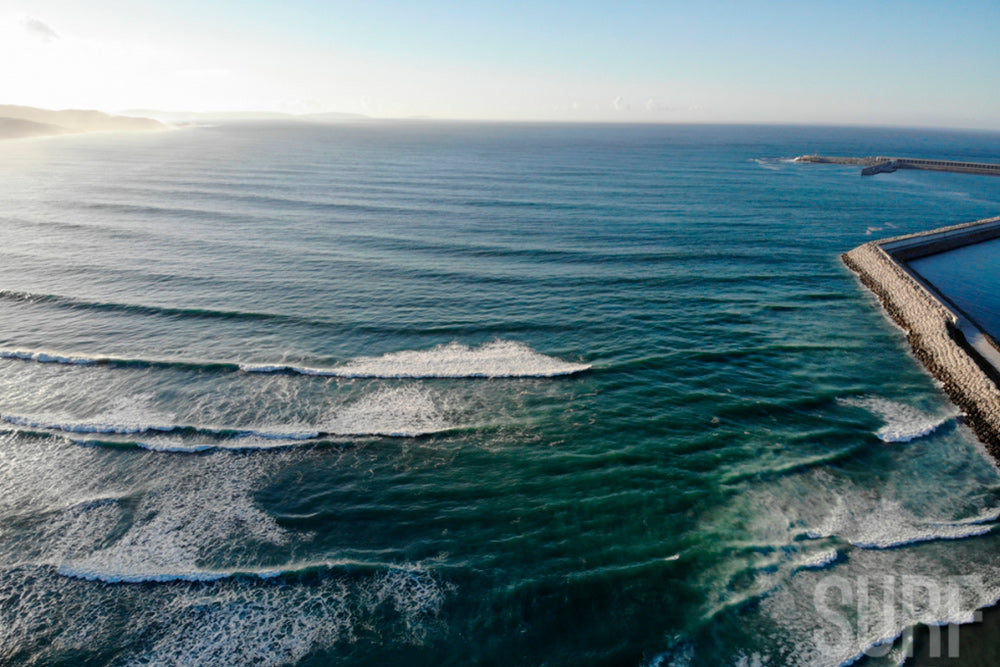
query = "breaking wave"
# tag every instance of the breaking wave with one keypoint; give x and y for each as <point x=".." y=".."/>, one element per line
<point x="228" y="622"/>
<point x="888" y="525"/>
<point x="98" y="427"/>
<point x="50" y="357"/>
<point x="903" y="423"/>
<point x="820" y="560"/>
<point x="110" y="574"/>
<point x="499" y="359"/>
<point x="401" y="412"/>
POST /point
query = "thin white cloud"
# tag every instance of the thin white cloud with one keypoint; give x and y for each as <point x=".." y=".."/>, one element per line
<point x="39" y="29"/>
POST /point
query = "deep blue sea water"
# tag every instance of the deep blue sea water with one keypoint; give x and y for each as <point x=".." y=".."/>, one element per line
<point x="450" y="394"/>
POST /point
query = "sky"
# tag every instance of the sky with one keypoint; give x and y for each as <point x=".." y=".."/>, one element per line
<point x="877" y="62"/>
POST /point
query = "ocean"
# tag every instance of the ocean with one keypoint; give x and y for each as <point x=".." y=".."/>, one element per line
<point x="464" y="393"/>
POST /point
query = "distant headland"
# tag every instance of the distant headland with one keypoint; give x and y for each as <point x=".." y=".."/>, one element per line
<point x="213" y="117"/>
<point x="879" y="164"/>
<point x="18" y="122"/>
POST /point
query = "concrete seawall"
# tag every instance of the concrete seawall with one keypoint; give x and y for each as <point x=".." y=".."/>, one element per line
<point x="949" y="345"/>
<point x="880" y="164"/>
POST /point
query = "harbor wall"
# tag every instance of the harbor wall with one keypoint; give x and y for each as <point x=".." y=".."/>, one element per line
<point x="872" y="165"/>
<point x="924" y="244"/>
<point x="936" y="336"/>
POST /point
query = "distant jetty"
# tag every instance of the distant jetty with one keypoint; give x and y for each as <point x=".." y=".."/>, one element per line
<point x="947" y="341"/>
<point x="881" y="164"/>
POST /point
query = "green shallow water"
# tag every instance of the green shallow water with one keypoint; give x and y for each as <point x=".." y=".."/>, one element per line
<point x="453" y="394"/>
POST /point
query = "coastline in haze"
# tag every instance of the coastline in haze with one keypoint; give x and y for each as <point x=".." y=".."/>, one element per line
<point x="20" y="121"/>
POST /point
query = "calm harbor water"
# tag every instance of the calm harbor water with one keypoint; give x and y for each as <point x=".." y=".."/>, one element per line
<point x="448" y="394"/>
<point x="968" y="277"/>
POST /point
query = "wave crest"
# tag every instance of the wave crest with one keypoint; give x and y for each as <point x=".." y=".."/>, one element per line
<point x="888" y="525"/>
<point x="499" y="359"/>
<point x="48" y="357"/>
<point x="903" y="423"/>
<point x="401" y="412"/>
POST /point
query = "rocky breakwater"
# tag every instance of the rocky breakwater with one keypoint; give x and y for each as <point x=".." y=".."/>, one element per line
<point x="932" y="331"/>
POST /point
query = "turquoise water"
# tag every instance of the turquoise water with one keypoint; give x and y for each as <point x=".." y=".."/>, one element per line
<point x="968" y="277"/>
<point x="417" y="393"/>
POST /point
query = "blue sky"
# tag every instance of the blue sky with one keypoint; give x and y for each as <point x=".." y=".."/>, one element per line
<point x="874" y="62"/>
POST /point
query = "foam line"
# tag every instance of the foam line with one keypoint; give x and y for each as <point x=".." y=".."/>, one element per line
<point x="819" y="561"/>
<point x="73" y="303"/>
<point x="47" y="357"/>
<point x="903" y="423"/>
<point x="499" y="359"/>
<point x="195" y="575"/>
<point x="81" y="427"/>
<point x="889" y="525"/>
<point x="405" y="411"/>
<point x="177" y="446"/>
<point x="229" y="622"/>
<point x="242" y="437"/>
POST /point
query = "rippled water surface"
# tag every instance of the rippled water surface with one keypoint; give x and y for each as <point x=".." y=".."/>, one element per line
<point x="462" y="394"/>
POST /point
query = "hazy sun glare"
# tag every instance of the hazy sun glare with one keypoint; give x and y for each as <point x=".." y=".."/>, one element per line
<point x="591" y="61"/>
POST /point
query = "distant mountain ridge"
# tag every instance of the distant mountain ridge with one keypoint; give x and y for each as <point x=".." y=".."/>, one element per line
<point x="21" y="121"/>
<point x="18" y="122"/>
<point x="17" y="128"/>
<point x="240" y="116"/>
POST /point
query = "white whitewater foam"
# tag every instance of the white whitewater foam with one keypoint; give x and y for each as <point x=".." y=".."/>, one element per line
<point x="680" y="656"/>
<point x="137" y="414"/>
<point x="231" y="622"/>
<point x="236" y="437"/>
<point x="413" y="593"/>
<point x="179" y="446"/>
<point x="39" y="475"/>
<point x="752" y="660"/>
<point x="185" y="519"/>
<point x="499" y="359"/>
<point x="888" y="524"/>
<point x="403" y="411"/>
<point x="267" y="626"/>
<point x="406" y="411"/>
<point x="125" y="415"/>
<point x="810" y="639"/>
<point x="770" y="163"/>
<point x="69" y="425"/>
<point x="819" y="560"/>
<point x="73" y="532"/>
<point x="892" y="601"/>
<point x="46" y="357"/>
<point x="902" y="422"/>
